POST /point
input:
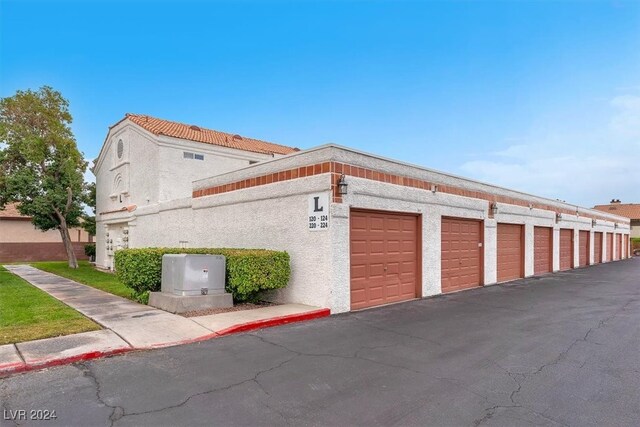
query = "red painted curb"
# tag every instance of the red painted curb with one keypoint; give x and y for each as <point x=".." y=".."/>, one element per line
<point x="19" y="367"/>
<point x="189" y="341"/>
<point x="275" y="321"/>
<point x="23" y="367"/>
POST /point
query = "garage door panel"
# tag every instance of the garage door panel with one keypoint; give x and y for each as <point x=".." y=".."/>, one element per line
<point x="583" y="246"/>
<point x="510" y="254"/>
<point x="609" y="247"/>
<point x="460" y="254"/>
<point x="543" y="250"/>
<point x="597" y="247"/>
<point x="566" y="249"/>
<point x="386" y="246"/>
<point x="618" y="246"/>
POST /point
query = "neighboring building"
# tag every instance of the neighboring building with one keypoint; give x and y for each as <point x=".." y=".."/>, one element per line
<point x="361" y="230"/>
<point x="21" y="241"/>
<point x="147" y="164"/>
<point x="628" y="210"/>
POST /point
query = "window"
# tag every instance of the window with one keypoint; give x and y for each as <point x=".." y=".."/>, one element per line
<point x="120" y="148"/>
<point x="187" y="155"/>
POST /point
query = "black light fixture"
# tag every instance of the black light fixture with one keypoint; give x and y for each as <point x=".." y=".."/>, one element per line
<point x="594" y="222"/>
<point x="494" y="208"/>
<point x="558" y="216"/>
<point x="342" y="185"/>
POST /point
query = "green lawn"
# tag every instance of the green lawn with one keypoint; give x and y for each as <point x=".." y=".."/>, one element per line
<point x="27" y="313"/>
<point x="87" y="275"/>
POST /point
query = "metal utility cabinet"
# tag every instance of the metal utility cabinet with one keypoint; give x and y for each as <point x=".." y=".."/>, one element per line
<point x="190" y="275"/>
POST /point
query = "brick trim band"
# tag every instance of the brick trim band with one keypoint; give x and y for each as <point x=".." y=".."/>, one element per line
<point x="336" y="169"/>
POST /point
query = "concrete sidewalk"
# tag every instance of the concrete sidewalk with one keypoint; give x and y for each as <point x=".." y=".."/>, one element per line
<point x="129" y="325"/>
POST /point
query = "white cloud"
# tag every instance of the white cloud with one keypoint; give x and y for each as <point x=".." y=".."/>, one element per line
<point x="580" y="168"/>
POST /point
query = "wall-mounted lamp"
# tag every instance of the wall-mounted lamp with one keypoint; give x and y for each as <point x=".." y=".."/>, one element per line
<point x="494" y="208"/>
<point x="530" y="206"/>
<point x="615" y="225"/>
<point x="558" y="216"/>
<point x="342" y="185"/>
<point x="434" y="188"/>
<point x="594" y="222"/>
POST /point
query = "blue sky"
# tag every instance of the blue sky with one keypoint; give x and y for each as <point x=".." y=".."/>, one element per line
<point x="542" y="96"/>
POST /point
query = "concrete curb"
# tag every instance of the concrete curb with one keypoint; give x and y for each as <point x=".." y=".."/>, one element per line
<point x="8" y="369"/>
<point x="275" y="321"/>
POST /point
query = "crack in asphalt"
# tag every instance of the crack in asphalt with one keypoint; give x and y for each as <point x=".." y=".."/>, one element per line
<point x="117" y="411"/>
<point x="125" y="414"/>
<point x="489" y="412"/>
<point x="356" y="355"/>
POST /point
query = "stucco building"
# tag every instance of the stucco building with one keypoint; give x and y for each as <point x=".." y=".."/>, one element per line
<point x="361" y="230"/>
<point x="21" y="241"/>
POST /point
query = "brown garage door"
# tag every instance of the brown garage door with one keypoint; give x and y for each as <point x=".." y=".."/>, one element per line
<point x="625" y="252"/>
<point x="510" y="252"/>
<point x="542" y="250"/>
<point x="609" y="247"/>
<point x="566" y="249"/>
<point x="583" y="247"/>
<point x="618" y="246"/>
<point x="597" y="247"/>
<point x="384" y="258"/>
<point x="461" y="254"/>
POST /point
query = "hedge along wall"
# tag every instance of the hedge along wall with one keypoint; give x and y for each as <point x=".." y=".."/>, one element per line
<point x="249" y="271"/>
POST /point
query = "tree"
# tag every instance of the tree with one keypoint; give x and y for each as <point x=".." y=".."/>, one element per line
<point x="89" y="223"/>
<point x="40" y="166"/>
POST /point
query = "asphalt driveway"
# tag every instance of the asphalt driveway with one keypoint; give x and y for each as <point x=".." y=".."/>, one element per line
<point x="558" y="350"/>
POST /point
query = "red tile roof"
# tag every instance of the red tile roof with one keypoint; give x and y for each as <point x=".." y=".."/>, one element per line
<point x="207" y="136"/>
<point x="11" y="211"/>
<point x="629" y="210"/>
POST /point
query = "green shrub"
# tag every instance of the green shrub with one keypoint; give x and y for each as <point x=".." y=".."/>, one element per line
<point x="248" y="271"/>
<point x="90" y="250"/>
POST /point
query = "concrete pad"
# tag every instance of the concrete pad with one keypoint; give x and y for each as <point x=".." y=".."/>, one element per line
<point x="219" y="322"/>
<point x="184" y="303"/>
<point x="57" y="348"/>
<point x="160" y="330"/>
<point x="9" y="357"/>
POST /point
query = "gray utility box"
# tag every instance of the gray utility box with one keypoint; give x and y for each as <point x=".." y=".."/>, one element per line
<point x="189" y="275"/>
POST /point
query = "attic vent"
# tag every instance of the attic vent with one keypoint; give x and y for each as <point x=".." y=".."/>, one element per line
<point x="238" y="137"/>
<point x="194" y="127"/>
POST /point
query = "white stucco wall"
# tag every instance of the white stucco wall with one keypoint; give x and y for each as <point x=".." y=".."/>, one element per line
<point x="267" y="217"/>
<point x="153" y="172"/>
<point x="177" y="173"/>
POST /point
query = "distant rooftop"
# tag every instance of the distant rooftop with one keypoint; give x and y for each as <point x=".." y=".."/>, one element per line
<point x="629" y="210"/>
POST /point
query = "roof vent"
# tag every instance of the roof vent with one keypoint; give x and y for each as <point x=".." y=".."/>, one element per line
<point x="194" y="127"/>
<point x="238" y="137"/>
